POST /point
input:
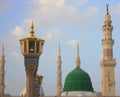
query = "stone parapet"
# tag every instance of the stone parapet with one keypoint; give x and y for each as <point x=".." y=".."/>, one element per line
<point x="108" y="63"/>
<point x="107" y="42"/>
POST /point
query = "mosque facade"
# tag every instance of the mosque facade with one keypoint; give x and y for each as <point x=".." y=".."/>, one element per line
<point x="78" y="81"/>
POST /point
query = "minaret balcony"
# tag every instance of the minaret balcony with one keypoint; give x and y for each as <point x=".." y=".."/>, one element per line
<point x="31" y="46"/>
<point x="107" y="42"/>
<point x="107" y="28"/>
<point x="108" y="63"/>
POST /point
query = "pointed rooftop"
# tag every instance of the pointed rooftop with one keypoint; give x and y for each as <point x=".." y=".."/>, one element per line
<point x="3" y="49"/>
<point x="32" y="30"/>
<point x="77" y="58"/>
<point x="107" y="16"/>
<point x="59" y="50"/>
<point x="59" y="55"/>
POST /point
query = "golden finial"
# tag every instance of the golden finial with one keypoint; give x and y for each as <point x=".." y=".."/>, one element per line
<point x="32" y="30"/>
<point x="77" y="50"/>
<point x="78" y="58"/>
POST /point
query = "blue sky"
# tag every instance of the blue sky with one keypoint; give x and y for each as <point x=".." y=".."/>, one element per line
<point x="65" y="21"/>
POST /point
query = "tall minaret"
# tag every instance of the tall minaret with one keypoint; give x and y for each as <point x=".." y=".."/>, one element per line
<point x="78" y="57"/>
<point x="31" y="48"/>
<point x="108" y="63"/>
<point x="2" y="73"/>
<point x="59" y="74"/>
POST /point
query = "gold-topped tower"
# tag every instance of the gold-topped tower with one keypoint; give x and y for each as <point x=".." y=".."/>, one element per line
<point x="31" y="48"/>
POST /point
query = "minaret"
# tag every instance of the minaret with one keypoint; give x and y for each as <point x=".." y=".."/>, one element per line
<point x="31" y="48"/>
<point x="108" y="63"/>
<point x="78" y="57"/>
<point x="2" y="73"/>
<point x="59" y="74"/>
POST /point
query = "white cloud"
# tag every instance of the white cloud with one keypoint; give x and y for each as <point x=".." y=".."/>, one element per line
<point x="27" y="22"/>
<point x="52" y="35"/>
<point x="18" y="31"/>
<point x="117" y="9"/>
<point x="72" y="43"/>
<point x="90" y="12"/>
<point x="81" y="2"/>
<point x="77" y="2"/>
<point x="54" y="12"/>
<point x="11" y="40"/>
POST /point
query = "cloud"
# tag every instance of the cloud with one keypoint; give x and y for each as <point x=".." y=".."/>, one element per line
<point x="116" y="9"/>
<point x="27" y="23"/>
<point x="58" y="12"/>
<point x="89" y="12"/>
<point x="77" y="2"/>
<point x="11" y="41"/>
<point x="72" y="43"/>
<point x="18" y="31"/>
<point x="52" y="35"/>
<point x="81" y="2"/>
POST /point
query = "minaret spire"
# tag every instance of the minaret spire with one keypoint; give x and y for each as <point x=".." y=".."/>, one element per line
<point x="107" y="5"/>
<point x="107" y="28"/>
<point x="3" y="50"/>
<point x="32" y="30"/>
<point x="59" y="50"/>
<point x="108" y="62"/>
<point x="77" y="58"/>
<point x="2" y="73"/>
<point x="59" y="74"/>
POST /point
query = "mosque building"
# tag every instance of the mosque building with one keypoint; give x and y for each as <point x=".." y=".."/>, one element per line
<point x="78" y="81"/>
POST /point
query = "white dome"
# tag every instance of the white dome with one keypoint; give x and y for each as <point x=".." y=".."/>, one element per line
<point x="23" y="93"/>
<point x="78" y="93"/>
<point x="41" y="91"/>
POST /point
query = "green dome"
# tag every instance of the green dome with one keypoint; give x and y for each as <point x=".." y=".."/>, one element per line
<point x="78" y="80"/>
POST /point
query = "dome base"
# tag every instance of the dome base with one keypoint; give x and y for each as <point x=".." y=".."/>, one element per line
<point x="78" y="93"/>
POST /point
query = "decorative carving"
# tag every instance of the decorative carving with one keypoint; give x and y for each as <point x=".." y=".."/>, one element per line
<point x="107" y="42"/>
<point x="110" y="82"/>
<point x="31" y="69"/>
<point x="108" y="63"/>
<point x="31" y="61"/>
